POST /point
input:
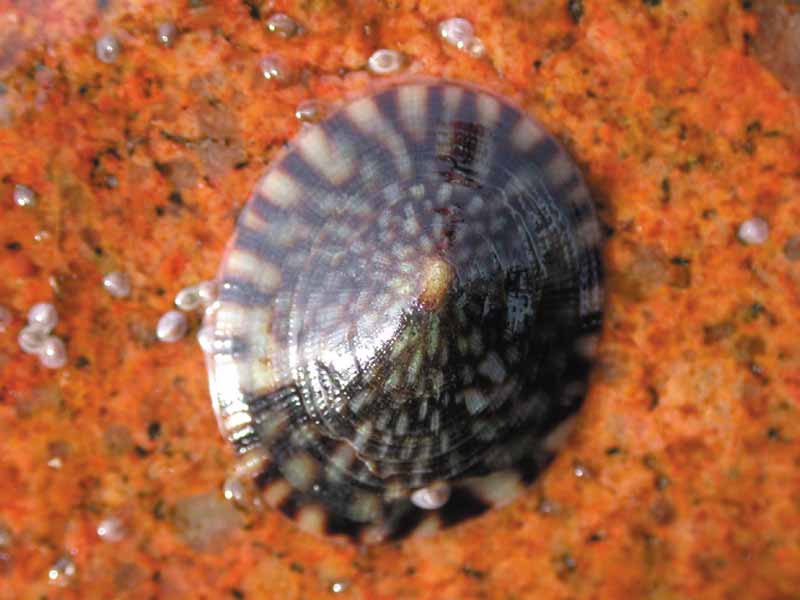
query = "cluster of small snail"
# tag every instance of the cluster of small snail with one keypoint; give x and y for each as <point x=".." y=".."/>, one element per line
<point x="35" y="337"/>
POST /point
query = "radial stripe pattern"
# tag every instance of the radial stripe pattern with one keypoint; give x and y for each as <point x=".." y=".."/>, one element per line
<point x="405" y="312"/>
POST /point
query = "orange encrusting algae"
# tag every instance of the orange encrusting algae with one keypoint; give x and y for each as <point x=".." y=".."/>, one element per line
<point x="682" y="479"/>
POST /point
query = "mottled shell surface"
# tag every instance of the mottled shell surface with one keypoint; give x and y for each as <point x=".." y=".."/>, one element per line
<point x="407" y="311"/>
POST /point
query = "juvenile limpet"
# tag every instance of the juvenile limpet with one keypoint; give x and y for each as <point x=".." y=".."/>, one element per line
<point x="406" y="312"/>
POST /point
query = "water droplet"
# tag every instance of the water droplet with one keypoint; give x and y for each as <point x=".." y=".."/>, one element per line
<point x="311" y="111"/>
<point x="107" y="48"/>
<point x="337" y="587"/>
<point x="117" y="284"/>
<point x="457" y="31"/>
<point x="580" y="471"/>
<point x="385" y="62"/>
<point x="111" y="529"/>
<point x="166" y="34"/>
<point x="44" y="316"/>
<point x="476" y="48"/>
<point x="754" y="231"/>
<point x="62" y="572"/>
<point x="274" y="68"/>
<point x="31" y="339"/>
<point x="24" y="196"/>
<point x="172" y="326"/>
<point x="282" y="25"/>
<point x="53" y="353"/>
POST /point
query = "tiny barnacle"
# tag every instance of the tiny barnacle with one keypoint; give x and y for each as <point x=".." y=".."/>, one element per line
<point x="24" y="196"/>
<point x="166" y="33"/>
<point x="117" y="284"/>
<point x="385" y="62"/>
<point x="172" y="326"/>
<point x="107" y="48"/>
<point x="282" y="25"/>
<point x="753" y="231"/>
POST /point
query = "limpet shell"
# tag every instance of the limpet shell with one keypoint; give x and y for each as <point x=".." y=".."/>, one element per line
<point x="406" y="312"/>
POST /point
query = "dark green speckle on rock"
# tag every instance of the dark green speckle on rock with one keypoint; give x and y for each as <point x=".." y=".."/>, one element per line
<point x="575" y="9"/>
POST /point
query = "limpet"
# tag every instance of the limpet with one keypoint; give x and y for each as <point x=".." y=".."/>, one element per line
<point x="406" y="312"/>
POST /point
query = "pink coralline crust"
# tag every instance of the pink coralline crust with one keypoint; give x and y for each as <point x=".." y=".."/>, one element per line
<point x="681" y="479"/>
